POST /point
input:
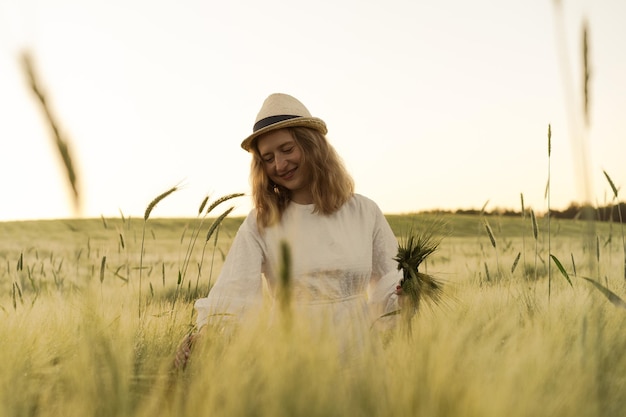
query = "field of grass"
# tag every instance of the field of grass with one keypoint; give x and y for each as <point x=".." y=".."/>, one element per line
<point x="79" y="335"/>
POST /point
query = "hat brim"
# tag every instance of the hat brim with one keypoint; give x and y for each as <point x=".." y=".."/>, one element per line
<point x="310" y="122"/>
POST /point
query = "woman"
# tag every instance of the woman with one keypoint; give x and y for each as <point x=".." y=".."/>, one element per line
<point x="342" y="273"/>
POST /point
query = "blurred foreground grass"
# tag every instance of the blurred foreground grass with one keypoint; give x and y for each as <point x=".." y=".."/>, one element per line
<point x="72" y="343"/>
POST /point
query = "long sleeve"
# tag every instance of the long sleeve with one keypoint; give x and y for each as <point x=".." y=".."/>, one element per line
<point x="385" y="275"/>
<point x="239" y="286"/>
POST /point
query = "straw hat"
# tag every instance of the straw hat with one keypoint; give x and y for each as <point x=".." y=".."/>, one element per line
<point x="280" y="111"/>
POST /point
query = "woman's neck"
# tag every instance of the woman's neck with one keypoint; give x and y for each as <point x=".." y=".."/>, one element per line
<point x="301" y="197"/>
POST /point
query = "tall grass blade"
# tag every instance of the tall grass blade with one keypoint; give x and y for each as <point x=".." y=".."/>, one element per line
<point x="610" y="295"/>
<point x="613" y="188"/>
<point x="562" y="269"/>
<point x="619" y="213"/>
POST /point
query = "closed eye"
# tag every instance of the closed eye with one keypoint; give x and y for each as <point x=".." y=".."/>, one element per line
<point x="286" y="149"/>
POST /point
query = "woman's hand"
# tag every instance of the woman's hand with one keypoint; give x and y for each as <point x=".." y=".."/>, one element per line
<point x="399" y="290"/>
<point x="183" y="352"/>
<point x="408" y="305"/>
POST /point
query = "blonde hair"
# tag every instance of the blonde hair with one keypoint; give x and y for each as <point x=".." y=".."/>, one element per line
<point x="331" y="184"/>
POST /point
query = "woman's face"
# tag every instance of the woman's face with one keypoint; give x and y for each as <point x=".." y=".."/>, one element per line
<point x="283" y="163"/>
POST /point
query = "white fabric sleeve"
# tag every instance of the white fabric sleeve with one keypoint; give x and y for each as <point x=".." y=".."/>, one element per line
<point x="385" y="275"/>
<point x="239" y="286"/>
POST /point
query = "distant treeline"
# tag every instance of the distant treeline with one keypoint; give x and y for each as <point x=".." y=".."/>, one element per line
<point x="610" y="212"/>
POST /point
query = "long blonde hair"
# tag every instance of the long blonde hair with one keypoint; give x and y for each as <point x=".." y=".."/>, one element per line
<point x="331" y="184"/>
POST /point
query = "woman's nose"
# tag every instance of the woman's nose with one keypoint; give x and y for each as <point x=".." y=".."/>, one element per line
<point x="281" y="163"/>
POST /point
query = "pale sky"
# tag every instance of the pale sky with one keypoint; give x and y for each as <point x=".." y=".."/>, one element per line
<point x="432" y="104"/>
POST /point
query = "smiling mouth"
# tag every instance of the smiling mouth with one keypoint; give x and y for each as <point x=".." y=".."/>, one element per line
<point x="288" y="175"/>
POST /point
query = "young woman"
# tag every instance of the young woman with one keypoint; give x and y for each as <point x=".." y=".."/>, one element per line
<point x="342" y="274"/>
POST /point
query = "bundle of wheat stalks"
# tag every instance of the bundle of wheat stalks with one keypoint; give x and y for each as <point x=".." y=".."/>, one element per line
<point x="416" y="285"/>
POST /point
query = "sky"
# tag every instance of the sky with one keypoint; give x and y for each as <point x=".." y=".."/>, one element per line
<point x="432" y="104"/>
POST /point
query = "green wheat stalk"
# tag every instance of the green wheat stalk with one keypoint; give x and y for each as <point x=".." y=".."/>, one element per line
<point x="284" y="290"/>
<point x="102" y="269"/>
<point x="515" y="262"/>
<point x="586" y="72"/>
<point x="146" y="216"/>
<point x="156" y="201"/>
<point x="217" y="222"/>
<point x="578" y="136"/>
<point x="548" y="188"/>
<point x="60" y="142"/>
<point x="215" y="238"/>
<point x="494" y="244"/>
<point x="222" y="200"/>
<point x="192" y="240"/>
<point x="523" y="235"/>
<point x="213" y="229"/>
<point x="196" y="231"/>
<point x="536" y="237"/>
<point x="619" y="213"/>
<point x="573" y="264"/>
<point x="586" y="93"/>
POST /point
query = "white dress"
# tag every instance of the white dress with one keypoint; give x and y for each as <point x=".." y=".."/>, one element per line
<point x="342" y="267"/>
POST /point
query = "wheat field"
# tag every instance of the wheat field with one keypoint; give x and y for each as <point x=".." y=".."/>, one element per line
<point x="516" y="336"/>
